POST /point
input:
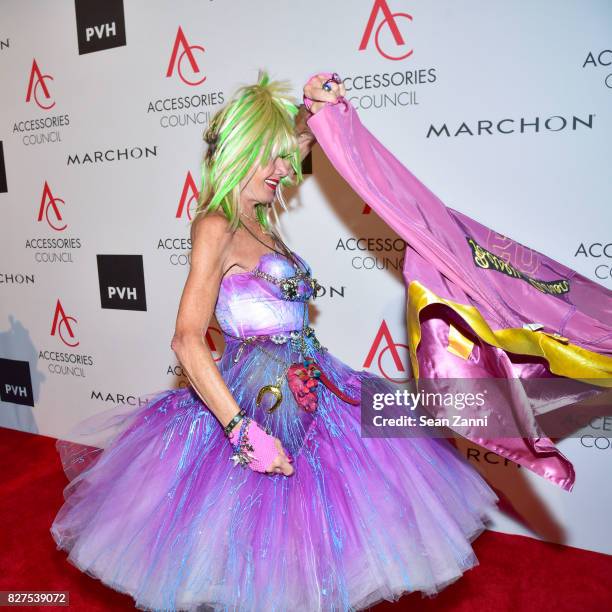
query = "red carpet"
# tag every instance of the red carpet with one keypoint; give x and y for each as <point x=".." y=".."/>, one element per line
<point x="515" y="573"/>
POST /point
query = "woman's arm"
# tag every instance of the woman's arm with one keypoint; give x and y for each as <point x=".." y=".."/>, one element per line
<point x="210" y="247"/>
<point x="305" y="136"/>
<point x="210" y="241"/>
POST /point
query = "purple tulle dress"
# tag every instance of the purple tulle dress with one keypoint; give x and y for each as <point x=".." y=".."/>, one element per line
<point x="158" y="510"/>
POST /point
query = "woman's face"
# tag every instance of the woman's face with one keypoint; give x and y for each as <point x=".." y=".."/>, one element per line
<point x="262" y="184"/>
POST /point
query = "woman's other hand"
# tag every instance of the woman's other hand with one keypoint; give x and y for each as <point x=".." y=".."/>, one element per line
<point x="267" y="454"/>
<point x="282" y="463"/>
<point x="319" y="96"/>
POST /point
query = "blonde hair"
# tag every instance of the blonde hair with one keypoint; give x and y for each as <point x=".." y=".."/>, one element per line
<point x="256" y="126"/>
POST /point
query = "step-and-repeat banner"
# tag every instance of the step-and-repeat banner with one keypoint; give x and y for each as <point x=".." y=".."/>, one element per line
<point x="504" y="110"/>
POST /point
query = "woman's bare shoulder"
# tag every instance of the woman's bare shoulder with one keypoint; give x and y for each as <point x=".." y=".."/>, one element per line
<point x="212" y="227"/>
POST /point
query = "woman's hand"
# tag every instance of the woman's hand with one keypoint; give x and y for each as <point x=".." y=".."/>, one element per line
<point x="258" y="450"/>
<point x="281" y="464"/>
<point x="319" y="96"/>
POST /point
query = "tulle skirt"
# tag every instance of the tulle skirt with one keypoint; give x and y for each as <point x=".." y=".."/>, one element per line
<point x="156" y="508"/>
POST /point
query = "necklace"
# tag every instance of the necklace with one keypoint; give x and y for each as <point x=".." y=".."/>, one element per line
<point x="243" y="214"/>
<point x="286" y="251"/>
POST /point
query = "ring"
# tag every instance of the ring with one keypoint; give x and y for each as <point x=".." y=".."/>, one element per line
<point x="333" y="79"/>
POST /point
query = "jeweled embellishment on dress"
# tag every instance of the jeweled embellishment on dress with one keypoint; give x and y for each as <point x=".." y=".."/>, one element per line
<point x="279" y="338"/>
<point x="298" y="288"/>
<point x="302" y="377"/>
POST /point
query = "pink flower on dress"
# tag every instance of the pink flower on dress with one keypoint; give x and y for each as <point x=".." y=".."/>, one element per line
<point x="302" y="379"/>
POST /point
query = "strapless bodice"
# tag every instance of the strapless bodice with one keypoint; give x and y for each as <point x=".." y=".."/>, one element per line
<point x="270" y="299"/>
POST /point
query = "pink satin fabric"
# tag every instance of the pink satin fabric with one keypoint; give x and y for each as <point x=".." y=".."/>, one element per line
<point x="440" y="258"/>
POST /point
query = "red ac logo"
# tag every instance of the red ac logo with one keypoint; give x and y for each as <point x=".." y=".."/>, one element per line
<point x="49" y="209"/>
<point x="62" y="327"/>
<point x="212" y="345"/>
<point x="390" y="21"/>
<point x="181" y="41"/>
<point x="37" y="79"/>
<point x="189" y="198"/>
<point x="392" y="347"/>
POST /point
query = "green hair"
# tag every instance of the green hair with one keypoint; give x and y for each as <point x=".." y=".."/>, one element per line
<point x="257" y="125"/>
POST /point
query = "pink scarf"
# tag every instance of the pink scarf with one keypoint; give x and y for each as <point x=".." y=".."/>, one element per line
<point x="476" y="299"/>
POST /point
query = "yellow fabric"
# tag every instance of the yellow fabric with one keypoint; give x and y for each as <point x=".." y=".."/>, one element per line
<point x="458" y="344"/>
<point x="563" y="357"/>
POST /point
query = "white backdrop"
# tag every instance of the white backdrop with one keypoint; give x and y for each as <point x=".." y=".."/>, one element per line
<point x="110" y="158"/>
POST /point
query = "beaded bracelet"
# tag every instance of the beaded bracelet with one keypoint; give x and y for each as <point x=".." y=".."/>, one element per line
<point x="243" y="448"/>
<point x="228" y="428"/>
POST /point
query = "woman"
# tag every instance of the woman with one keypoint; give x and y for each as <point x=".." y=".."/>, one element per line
<point x="252" y="489"/>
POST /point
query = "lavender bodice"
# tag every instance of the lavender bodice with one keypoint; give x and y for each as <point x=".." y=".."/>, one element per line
<point x="250" y="305"/>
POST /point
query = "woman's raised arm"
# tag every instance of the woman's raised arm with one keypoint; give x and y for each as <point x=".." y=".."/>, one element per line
<point x="305" y="136"/>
